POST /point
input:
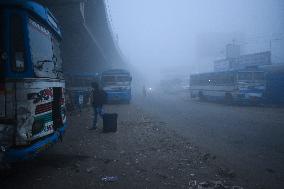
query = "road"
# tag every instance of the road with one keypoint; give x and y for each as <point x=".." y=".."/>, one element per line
<point x="248" y="138"/>
<point x="163" y="141"/>
<point x="144" y="153"/>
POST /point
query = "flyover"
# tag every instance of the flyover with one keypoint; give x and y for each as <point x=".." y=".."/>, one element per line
<point x="88" y="43"/>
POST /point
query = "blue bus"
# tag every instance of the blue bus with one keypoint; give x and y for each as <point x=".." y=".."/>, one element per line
<point x="117" y="84"/>
<point x="229" y="86"/>
<point x="79" y="89"/>
<point x="32" y="102"/>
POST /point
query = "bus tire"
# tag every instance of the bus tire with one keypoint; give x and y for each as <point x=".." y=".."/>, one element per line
<point x="228" y="98"/>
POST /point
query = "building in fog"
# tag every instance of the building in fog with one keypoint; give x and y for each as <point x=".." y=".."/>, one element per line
<point x="234" y="60"/>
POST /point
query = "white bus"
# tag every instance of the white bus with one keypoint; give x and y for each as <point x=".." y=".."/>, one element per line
<point x="117" y="84"/>
<point x="229" y="86"/>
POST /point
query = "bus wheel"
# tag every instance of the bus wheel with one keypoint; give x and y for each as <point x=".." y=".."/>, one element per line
<point x="228" y="98"/>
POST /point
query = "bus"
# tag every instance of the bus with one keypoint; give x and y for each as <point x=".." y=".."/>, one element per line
<point x="32" y="103"/>
<point x="229" y="86"/>
<point x="79" y="89"/>
<point x="117" y="84"/>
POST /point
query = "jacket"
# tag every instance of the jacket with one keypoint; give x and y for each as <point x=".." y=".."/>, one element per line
<point x="99" y="97"/>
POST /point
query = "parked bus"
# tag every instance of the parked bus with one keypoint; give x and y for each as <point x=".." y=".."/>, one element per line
<point x="79" y="88"/>
<point x="230" y="86"/>
<point x="117" y="84"/>
<point x="32" y="104"/>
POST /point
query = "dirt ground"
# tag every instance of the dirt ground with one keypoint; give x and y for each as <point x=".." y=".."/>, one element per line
<point x="144" y="153"/>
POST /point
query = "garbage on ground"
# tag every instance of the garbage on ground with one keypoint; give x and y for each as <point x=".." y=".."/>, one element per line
<point x="206" y="156"/>
<point x="204" y="184"/>
<point x="109" y="179"/>
<point x="237" y="187"/>
<point x="226" y="172"/>
<point x="193" y="184"/>
<point x="90" y="169"/>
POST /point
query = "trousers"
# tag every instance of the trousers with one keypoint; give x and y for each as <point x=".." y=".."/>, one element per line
<point x="98" y="110"/>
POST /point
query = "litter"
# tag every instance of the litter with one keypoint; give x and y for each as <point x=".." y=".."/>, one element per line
<point x="110" y="179"/>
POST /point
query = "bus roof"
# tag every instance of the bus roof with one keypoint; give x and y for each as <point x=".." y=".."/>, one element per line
<point x="115" y="71"/>
<point x="41" y="12"/>
<point x="229" y="71"/>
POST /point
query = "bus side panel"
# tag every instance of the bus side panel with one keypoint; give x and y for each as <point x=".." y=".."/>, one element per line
<point x="123" y="96"/>
<point x="214" y="92"/>
<point x="34" y="109"/>
<point x="275" y="88"/>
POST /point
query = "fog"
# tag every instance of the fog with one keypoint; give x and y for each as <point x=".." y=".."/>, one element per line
<point x="161" y="37"/>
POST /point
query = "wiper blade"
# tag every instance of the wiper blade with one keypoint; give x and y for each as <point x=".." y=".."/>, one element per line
<point x="39" y="64"/>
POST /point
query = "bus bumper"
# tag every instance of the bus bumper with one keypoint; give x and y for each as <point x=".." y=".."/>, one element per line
<point x="25" y="153"/>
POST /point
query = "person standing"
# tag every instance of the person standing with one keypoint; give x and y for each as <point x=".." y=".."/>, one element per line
<point x="98" y="100"/>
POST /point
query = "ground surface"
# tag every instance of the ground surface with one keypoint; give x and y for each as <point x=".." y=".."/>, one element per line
<point x="164" y="141"/>
<point x="248" y="138"/>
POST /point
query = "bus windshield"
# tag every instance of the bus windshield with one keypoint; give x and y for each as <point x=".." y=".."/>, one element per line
<point x="108" y="79"/>
<point x="123" y="78"/>
<point x="57" y="58"/>
<point x="116" y="80"/>
<point x="245" y="76"/>
<point x="251" y="76"/>
<point x="44" y="51"/>
<point x="258" y="76"/>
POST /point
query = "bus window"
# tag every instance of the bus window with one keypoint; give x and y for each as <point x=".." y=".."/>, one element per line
<point x="258" y="76"/>
<point x="245" y="76"/>
<point x="41" y="50"/>
<point x="229" y="78"/>
<point x="18" y="46"/>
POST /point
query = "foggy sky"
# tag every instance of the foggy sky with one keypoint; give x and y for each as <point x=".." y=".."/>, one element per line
<point x="159" y="34"/>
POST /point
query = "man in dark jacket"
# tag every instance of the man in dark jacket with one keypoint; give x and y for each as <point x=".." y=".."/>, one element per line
<point x="98" y="100"/>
